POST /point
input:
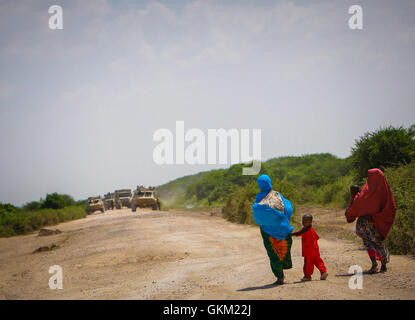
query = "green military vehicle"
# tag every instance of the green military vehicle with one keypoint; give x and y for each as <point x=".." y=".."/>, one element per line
<point x="109" y="202"/>
<point x="145" y="197"/>
<point x="94" y="204"/>
<point x="122" y="198"/>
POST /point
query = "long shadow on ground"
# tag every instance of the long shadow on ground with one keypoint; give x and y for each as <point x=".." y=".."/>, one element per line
<point x="267" y="286"/>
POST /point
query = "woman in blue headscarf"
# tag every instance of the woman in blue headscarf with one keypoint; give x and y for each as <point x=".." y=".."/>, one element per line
<point x="272" y="212"/>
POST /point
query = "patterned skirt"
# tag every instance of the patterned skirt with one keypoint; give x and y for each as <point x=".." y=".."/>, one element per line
<point x="372" y="239"/>
<point x="279" y="253"/>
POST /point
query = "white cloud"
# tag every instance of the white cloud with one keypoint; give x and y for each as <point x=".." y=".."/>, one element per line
<point x="113" y="76"/>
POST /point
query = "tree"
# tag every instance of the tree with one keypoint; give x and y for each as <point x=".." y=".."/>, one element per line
<point x="32" y="205"/>
<point x="54" y="201"/>
<point x="386" y="147"/>
<point x="69" y="200"/>
<point x="7" y="208"/>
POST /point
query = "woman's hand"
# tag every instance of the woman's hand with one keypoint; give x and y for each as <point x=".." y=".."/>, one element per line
<point x="348" y="219"/>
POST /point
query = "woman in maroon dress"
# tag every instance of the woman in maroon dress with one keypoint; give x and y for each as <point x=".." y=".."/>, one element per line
<point x="374" y="207"/>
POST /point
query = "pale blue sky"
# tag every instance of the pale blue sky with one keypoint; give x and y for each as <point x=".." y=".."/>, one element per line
<point x="79" y="106"/>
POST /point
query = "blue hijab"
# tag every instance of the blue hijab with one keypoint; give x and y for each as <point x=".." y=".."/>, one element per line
<point x="272" y="221"/>
<point x="265" y="185"/>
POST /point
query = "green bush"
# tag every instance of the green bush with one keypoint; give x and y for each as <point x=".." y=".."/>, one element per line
<point x="401" y="239"/>
<point x="33" y="205"/>
<point x="238" y="207"/>
<point x="384" y="148"/>
<point x="54" y="201"/>
<point x="69" y="201"/>
<point x="15" y="221"/>
<point x="80" y="203"/>
<point x="334" y="194"/>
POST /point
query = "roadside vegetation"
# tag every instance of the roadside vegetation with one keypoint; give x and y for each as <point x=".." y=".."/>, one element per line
<point x="317" y="179"/>
<point x="401" y="239"/>
<point x="54" y="209"/>
<point x="312" y="180"/>
<point x="172" y="194"/>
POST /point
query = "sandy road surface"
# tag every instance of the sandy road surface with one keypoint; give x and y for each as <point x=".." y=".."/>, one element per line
<point x="184" y="255"/>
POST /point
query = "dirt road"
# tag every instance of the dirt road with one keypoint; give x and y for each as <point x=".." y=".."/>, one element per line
<point x="185" y="255"/>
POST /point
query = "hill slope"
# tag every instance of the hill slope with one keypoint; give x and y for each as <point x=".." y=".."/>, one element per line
<point x="317" y="178"/>
<point x="173" y="192"/>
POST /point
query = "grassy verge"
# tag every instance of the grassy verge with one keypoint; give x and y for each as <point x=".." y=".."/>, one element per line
<point x="14" y="221"/>
<point x="401" y="239"/>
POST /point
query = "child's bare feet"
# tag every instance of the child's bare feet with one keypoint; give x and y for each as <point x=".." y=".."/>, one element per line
<point x="324" y="276"/>
<point x="305" y="279"/>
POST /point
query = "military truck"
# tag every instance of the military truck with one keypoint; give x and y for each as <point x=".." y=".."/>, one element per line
<point x="94" y="204"/>
<point x="145" y="197"/>
<point x="122" y="198"/>
<point x="109" y="202"/>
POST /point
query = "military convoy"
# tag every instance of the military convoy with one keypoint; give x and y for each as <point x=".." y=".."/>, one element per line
<point x="122" y="198"/>
<point x="94" y="204"/>
<point x="145" y="197"/>
<point x="141" y="198"/>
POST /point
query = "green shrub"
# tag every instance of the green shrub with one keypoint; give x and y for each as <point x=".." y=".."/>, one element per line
<point x="54" y="201"/>
<point x="238" y="207"/>
<point x="33" y="205"/>
<point x="401" y="239"/>
<point x="384" y="148"/>
<point x="80" y="203"/>
<point x="69" y="201"/>
<point x="14" y="221"/>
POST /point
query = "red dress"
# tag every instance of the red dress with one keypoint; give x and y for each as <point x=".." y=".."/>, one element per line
<point x="375" y="199"/>
<point x="311" y="251"/>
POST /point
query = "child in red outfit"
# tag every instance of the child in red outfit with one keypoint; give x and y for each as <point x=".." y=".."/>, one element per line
<point x="311" y="252"/>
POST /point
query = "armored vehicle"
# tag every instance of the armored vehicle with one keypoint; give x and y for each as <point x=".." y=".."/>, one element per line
<point x="93" y="204"/>
<point x="122" y="198"/>
<point x="145" y="197"/>
<point x="109" y="202"/>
